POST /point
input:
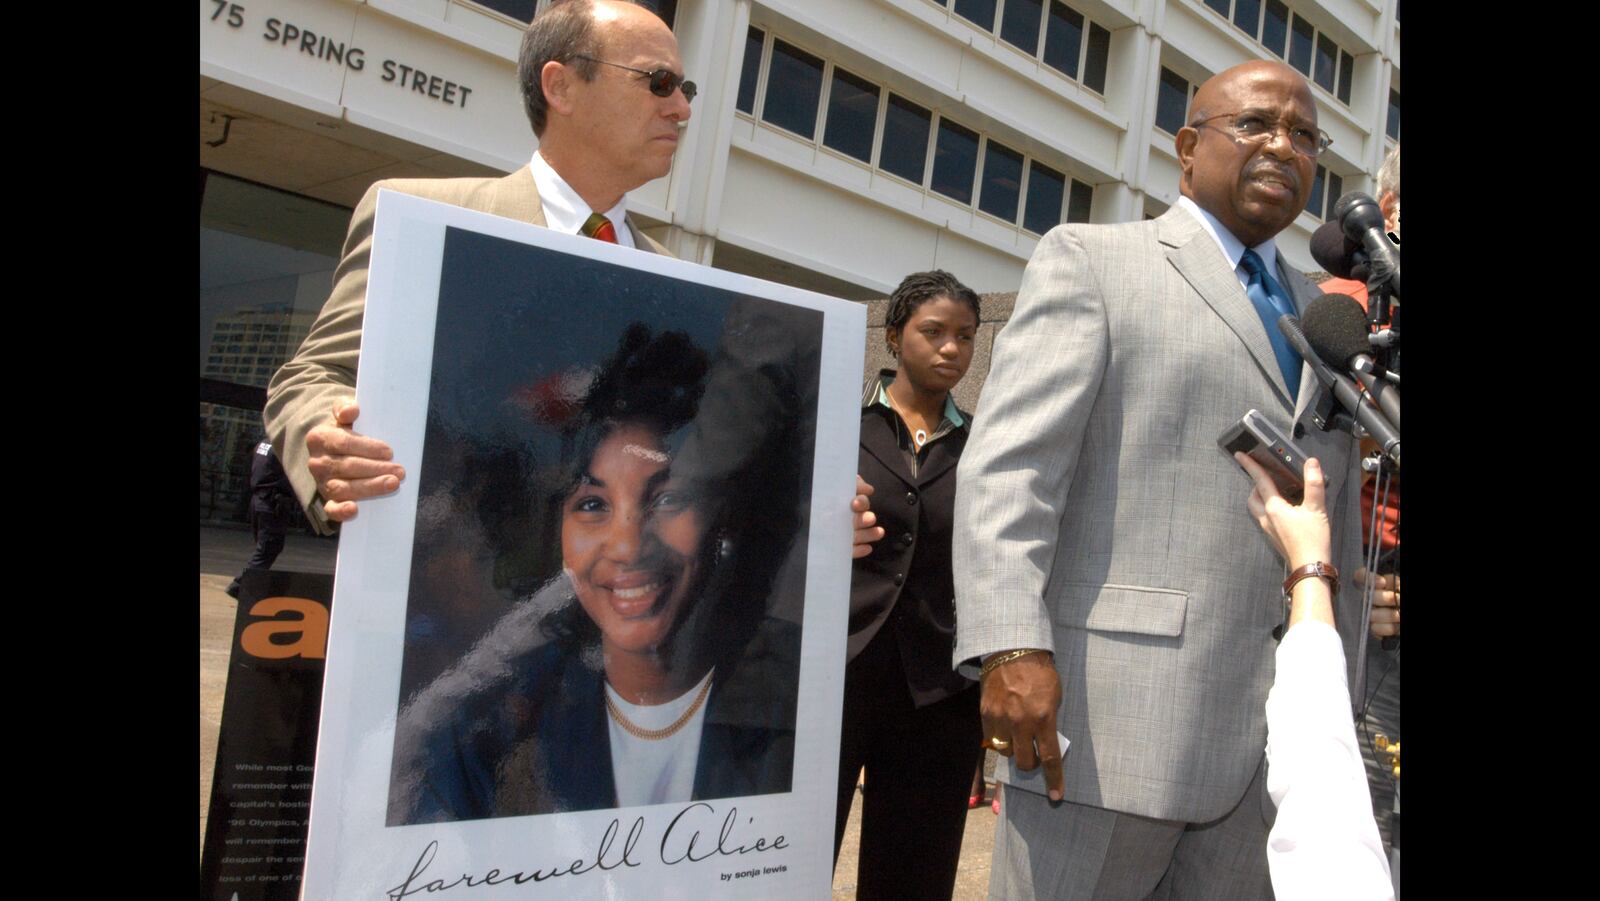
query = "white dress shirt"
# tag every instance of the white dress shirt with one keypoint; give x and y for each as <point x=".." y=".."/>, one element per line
<point x="1232" y="247"/>
<point x="565" y="211"/>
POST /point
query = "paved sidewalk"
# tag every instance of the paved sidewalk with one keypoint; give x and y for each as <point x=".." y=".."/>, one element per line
<point x="223" y="552"/>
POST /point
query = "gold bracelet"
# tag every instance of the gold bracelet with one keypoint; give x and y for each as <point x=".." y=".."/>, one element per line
<point x="1007" y="657"/>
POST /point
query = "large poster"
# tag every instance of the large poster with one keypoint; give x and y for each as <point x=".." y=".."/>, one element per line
<point x="595" y="642"/>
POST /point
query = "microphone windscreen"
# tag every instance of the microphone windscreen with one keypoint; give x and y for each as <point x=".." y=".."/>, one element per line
<point x="1336" y="328"/>
<point x="1357" y="213"/>
<point x="1333" y="250"/>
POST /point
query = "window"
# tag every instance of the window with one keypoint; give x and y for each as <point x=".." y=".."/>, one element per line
<point x="666" y="9"/>
<point x="1326" y="189"/>
<point x="751" y="72"/>
<point x="1300" y="45"/>
<point x="1067" y="38"/>
<point x="967" y="166"/>
<point x="1019" y="24"/>
<point x="1172" y="101"/>
<point x="794" y="87"/>
<point x="1046" y="189"/>
<point x="1097" y="59"/>
<point x="1247" y="15"/>
<point x="1392" y="129"/>
<point x="1316" y="54"/>
<point x="978" y="12"/>
<point x="1079" y="204"/>
<point x="1002" y="181"/>
<point x="523" y="10"/>
<point x="263" y="254"/>
<point x="955" y="161"/>
<point x="1275" y="27"/>
<point x="852" y="115"/>
<point x="1063" y="38"/>
<point x="905" y="139"/>
<point x="1323" y="70"/>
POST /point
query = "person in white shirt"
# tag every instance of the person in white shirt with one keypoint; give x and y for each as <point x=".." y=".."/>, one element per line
<point x="1324" y="843"/>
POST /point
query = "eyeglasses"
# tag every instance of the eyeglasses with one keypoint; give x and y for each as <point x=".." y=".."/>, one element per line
<point x="1258" y="129"/>
<point x="662" y="81"/>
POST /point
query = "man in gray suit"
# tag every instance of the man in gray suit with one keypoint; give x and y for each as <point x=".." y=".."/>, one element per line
<point x="1105" y="564"/>
<point x="602" y="83"/>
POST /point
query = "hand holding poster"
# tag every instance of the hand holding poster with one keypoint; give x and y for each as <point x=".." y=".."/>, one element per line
<point x="595" y="642"/>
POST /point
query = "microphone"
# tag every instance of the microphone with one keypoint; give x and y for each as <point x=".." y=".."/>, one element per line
<point x="1344" y="391"/>
<point x="1338" y="254"/>
<point x="1336" y="328"/>
<point x="1362" y="221"/>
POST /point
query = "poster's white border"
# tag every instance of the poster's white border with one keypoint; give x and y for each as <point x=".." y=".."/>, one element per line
<point x="352" y="854"/>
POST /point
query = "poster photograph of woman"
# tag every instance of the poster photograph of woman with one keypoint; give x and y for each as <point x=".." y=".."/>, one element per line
<point x="624" y="638"/>
<point x="605" y="598"/>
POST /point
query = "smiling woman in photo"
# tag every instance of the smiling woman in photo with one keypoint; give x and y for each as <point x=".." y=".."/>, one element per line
<point x="648" y="670"/>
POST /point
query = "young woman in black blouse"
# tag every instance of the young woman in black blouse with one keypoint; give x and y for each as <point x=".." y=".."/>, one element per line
<point x="908" y="717"/>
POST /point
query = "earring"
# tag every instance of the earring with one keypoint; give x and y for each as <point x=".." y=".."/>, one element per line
<point x="725" y="547"/>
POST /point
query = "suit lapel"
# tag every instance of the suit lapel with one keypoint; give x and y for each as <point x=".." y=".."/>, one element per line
<point x="1302" y="290"/>
<point x="1196" y="257"/>
<point x="878" y="439"/>
<point x="942" y="457"/>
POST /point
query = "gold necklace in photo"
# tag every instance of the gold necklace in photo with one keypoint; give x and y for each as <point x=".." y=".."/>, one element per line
<point x="638" y="731"/>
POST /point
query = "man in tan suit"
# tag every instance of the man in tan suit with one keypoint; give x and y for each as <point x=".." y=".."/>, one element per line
<point x="603" y="86"/>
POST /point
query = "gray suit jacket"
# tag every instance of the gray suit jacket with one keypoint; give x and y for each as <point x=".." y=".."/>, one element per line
<point x="1096" y="516"/>
<point x="302" y="392"/>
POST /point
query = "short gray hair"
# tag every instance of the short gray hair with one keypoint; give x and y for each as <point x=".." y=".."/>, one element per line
<point x="1389" y="174"/>
<point x="560" y="34"/>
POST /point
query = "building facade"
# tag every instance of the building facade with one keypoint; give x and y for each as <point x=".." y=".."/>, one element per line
<point x="835" y="144"/>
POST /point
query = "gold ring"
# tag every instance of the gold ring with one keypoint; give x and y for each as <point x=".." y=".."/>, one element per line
<point x="999" y="744"/>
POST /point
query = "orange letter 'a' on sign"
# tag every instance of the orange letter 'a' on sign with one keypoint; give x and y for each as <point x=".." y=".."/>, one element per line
<point x="311" y="629"/>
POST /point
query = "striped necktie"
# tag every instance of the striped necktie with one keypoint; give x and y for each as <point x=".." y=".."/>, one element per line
<point x="600" y="228"/>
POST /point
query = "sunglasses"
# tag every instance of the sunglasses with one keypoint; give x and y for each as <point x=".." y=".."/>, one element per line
<point x="662" y="81"/>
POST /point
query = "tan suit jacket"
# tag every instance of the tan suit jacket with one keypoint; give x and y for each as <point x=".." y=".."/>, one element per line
<point x="302" y="392"/>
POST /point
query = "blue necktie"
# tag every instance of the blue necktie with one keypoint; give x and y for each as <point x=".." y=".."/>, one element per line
<point x="1270" y="303"/>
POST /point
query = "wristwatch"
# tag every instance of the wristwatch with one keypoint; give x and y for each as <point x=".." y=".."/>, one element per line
<point x="1317" y="570"/>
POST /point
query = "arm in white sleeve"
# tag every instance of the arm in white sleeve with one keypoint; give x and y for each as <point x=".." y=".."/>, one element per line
<point x="1325" y="842"/>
